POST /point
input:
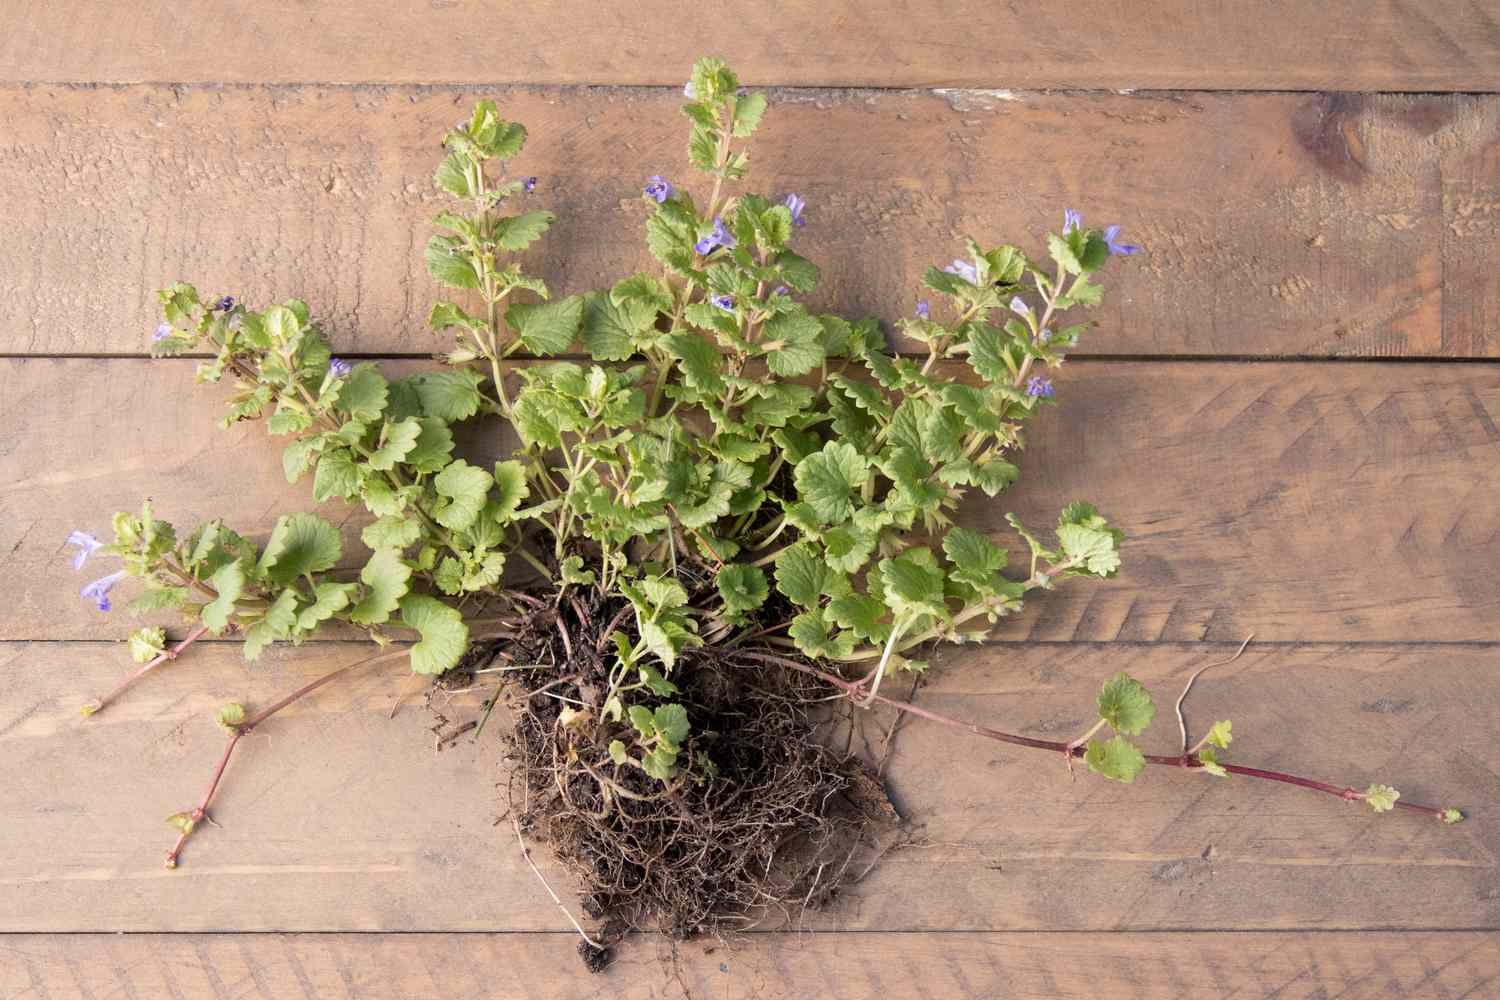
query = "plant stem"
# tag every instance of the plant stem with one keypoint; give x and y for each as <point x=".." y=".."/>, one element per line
<point x="99" y="705"/>
<point x="200" y="812"/>
<point x="1186" y="761"/>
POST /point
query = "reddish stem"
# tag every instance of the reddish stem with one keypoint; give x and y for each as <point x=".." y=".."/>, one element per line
<point x="200" y="813"/>
<point x="130" y="678"/>
<point x="1188" y="761"/>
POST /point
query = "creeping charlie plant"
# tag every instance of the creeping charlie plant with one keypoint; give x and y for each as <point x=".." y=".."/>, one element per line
<point x="739" y="474"/>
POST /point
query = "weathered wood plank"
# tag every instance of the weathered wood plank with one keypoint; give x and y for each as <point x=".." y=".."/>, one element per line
<point x="335" y="818"/>
<point x="1299" y="502"/>
<point x="1274" y="224"/>
<point x="1382" y="45"/>
<point x="769" y="966"/>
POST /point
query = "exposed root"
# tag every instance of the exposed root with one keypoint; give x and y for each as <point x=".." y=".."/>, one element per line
<point x="765" y="821"/>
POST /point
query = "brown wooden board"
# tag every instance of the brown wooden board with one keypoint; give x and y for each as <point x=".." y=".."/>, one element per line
<point x="335" y="817"/>
<point x="1346" y="45"/>
<point x="1273" y="224"/>
<point x="753" y="967"/>
<point x="1329" y="502"/>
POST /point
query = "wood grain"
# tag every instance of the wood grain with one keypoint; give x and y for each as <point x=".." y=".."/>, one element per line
<point x="769" y="966"/>
<point x="1274" y="224"/>
<point x="1300" y="502"/>
<point x="334" y="818"/>
<point x="1379" y="45"/>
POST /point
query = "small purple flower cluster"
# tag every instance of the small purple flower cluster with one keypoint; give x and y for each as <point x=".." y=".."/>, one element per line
<point x="1039" y="386"/>
<point x="720" y="237"/>
<point x="338" y="368"/>
<point x="98" y="590"/>
<point x="1074" y="220"/>
<point x="659" y="188"/>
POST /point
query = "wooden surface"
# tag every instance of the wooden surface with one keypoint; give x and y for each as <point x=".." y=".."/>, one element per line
<point x="757" y="967"/>
<point x="1291" y="407"/>
<point x="1274" y="224"/>
<point x="1178" y="44"/>
<point x="337" y="818"/>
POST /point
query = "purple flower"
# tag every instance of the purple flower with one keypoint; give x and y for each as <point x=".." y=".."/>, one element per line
<point x="86" y="543"/>
<point x="1046" y="335"/>
<point x="100" y="588"/>
<point x="528" y="184"/>
<point x="659" y="188"/>
<point x="924" y="311"/>
<point x="1071" y="221"/>
<point x="796" y="204"/>
<point x="724" y="302"/>
<point x="163" y="331"/>
<point x="1038" y="386"/>
<point x="1115" y="247"/>
<point x="781" y="290"/>
<point x="1019" y="307"/>
<point x="687" y="91"/>
<point x="964" y="270"/>
<point x="225" y="304"/>
<point x="720" y="237"/>
<point x="338" y="369"/>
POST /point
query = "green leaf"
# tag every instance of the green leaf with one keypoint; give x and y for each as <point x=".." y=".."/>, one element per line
<point x="861" y="614"/>
<point x="1219" y="734"/>
<point x="617" y="752"/>
<point x="279" y="620"/>
<point x="328" y="600"/>
<point x="1126" y="705"/>
<point x="229" y="582"/>
<point x="1450" y="816"/>
<point x="572" y="571"/>
<point x="298" y="457"/>
<point x="801" y="575"/>
<point x="231" y="715"/>
<point x="448" y="262"/>
<point x="976" y="560"/>
<point x="987" y="355"/>
<point x="510" y="478"/>
<point x="146" y="644"/>
<point x="1087" y="539"/>
<point x="364" y="393"/>
<point x="671" y="723"/>
<point x="747" y="113"/>
<point x="1210" y="761"/>
<point x="913" y="583"/>
<point x="444" y="634"/>
<point x="448" y="395"/>
<point x="811" y="633"/>
<point x="1381" y="798"/>
<point x="607" y="331"/>
<point x="453" y="176"/>
<point x="793" y="343"/>
<point x="391" y="532"/>
<point x="826" y="480"/>
<point x="400" y="439"/>
<point x="742" y="587"/>
<point x="433" y="448"/>
<point x="519" y="232"/>
<point x="1117" y="759"/>
<point x="701" y="364"/>
<point x="386" y="577"/>
<point x="547" y="328"/>
<point x="299" y="544"/>
<point x="464" y="489"/>
<point x="337" y="476"/>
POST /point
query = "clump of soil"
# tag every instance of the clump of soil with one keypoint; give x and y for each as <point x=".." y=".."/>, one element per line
<point x="780" y="822"/>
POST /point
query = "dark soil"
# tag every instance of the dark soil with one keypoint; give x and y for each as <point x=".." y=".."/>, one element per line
<point x="786" y="821"/>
